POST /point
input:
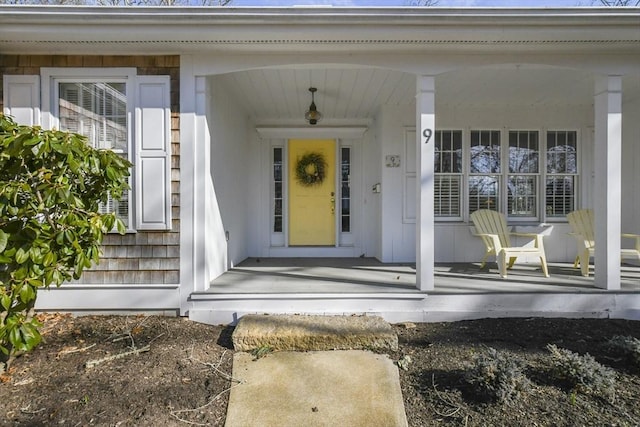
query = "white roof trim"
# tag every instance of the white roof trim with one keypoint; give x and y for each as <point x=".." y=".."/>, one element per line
<point x="174" y="30"/>
<point x="194" y="14"/>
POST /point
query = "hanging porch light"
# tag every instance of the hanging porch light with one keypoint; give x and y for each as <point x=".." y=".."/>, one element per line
<point x="313" y="116"/>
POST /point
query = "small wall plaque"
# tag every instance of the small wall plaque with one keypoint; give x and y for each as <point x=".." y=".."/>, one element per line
<point x="392" y="161"/>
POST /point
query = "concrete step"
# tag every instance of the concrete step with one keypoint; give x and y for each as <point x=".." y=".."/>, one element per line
<point x="313" y="333"/>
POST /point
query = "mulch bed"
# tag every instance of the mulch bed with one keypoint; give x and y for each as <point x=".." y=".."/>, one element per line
<point x="86" y="372"/>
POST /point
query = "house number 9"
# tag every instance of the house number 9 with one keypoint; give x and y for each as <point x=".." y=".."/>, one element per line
<point x="427" y="133"/>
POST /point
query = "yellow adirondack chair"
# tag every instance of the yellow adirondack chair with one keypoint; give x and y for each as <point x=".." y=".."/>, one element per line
<point x="491" y="226"/>
<point x="582" y="229"/>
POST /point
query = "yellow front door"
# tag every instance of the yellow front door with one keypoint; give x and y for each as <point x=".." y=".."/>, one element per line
<point x="312" y="192"/>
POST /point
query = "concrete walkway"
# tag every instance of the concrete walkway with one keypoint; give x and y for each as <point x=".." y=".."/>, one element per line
<point x="310" y="387"/>
<point x="353" y="388"/>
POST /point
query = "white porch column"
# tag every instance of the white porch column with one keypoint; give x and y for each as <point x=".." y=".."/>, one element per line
<point x="192" y="173"/>
<point x="425" y="136"/>
<point x="201" y="178"/>
<point x="608" y="181"/>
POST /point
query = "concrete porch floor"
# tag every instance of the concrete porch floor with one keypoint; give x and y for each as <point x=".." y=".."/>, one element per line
<point x="338" y="286"/>
<point x="368" y="275"/>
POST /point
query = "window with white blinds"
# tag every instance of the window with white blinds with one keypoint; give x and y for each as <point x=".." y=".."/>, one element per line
<point x="508" y="175"/>
<point x="98" y="110"/>
<point x="562" y="172"/>
<point x="448" y="174"/>
<point x="529" y="175"/>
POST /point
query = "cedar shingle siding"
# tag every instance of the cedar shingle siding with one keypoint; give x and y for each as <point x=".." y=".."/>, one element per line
<point x="147" y="257"/>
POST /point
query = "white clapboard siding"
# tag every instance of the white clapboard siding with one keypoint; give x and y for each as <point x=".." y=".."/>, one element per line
<point x="21" y="98"/>
<point x="153" y="153"/>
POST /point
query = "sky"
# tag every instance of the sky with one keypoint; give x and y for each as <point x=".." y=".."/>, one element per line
<point x="441" y="3"/>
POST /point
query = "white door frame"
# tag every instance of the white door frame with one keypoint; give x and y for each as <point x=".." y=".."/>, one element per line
<point x="279" y="137"/>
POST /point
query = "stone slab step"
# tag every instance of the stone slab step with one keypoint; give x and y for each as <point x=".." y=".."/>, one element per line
<point x="313" y="333"/>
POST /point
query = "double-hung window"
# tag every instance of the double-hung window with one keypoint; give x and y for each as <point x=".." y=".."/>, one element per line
<point x="526" y="174"/>
<point x="116" y="109"/>
<point x="522" y="179"/>
<point x="448" y="174"/>
<point x="119" y="110"/>
<point x="562" y="173"/>
<point x="485" y="170"/>
<point x="99" y="111"/>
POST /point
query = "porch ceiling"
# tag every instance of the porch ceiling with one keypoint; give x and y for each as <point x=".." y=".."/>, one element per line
<point x="356" y="94"/>
<point x="343" y="93"/>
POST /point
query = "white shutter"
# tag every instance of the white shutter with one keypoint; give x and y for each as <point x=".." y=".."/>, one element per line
<point x="153" y="153"/>
<point x="22" y="98"/>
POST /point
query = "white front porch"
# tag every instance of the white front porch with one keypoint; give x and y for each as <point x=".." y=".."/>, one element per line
<point x="241" y="130"/>
<point x="367" y="286"/>
<point x="241" y="112"/>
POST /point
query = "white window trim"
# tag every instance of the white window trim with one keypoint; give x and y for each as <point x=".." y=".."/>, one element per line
<point x="277" y="238"/>
<point x="345" y="238"/>
<point x="542" y="171"/>
<point x="578" y="175"/>
<point x="49" y="78"/>
<point x="540" y="197"/>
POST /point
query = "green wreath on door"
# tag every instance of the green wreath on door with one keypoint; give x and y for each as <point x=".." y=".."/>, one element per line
<point x="311" y="169"/>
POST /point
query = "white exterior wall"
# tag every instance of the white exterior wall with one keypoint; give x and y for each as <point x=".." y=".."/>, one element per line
<point x="371" y="228"/>
<point x="231" y="172"/>
<point x="398" y="233"/>
<point x="254" y="229"/>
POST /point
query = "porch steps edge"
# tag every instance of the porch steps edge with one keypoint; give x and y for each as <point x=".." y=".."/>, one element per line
<point x="222" y="296"/>
<point x="429" y="308"/>
<point x="283" y="332"/>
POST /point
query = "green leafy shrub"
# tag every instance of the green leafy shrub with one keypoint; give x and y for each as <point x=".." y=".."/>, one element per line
<point x="582" y="372"/>
<point x="51" y="186"/>
<point x="497" y="376"/>
<point x="628" y="346"/>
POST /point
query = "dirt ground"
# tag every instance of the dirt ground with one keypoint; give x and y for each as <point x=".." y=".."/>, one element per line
<point x="86" y="373"/>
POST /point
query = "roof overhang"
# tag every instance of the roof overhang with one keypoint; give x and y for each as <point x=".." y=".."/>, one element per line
<point x="179" y="30"/>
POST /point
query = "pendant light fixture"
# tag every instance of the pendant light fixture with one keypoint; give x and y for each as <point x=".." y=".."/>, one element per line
<point x="313" y="116"/>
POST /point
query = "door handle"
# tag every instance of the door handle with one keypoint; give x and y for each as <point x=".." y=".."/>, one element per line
<point x="333" y="203"/>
